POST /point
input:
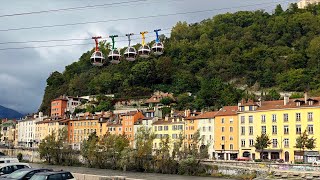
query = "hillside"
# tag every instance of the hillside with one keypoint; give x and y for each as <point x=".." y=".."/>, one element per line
<point x="9" y="113"/>
<point x="209" y="59"/>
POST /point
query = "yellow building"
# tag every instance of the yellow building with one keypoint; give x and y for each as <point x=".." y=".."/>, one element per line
<point x="47" y="126"/>
<point x="226" y="133"/>
<point x="283" y="120"/>
<point x="172" y="127"/>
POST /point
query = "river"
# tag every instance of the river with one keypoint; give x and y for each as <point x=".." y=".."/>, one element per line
<point x="135" y="175"/>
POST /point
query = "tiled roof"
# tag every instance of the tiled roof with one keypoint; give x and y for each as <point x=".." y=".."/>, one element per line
<point x="207" y="115"/>
<point x="227" y="111"/>
<point x="279" y="104"/>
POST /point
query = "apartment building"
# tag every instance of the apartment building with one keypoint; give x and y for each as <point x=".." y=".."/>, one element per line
<point x="8" y="132"/>
<point x="60" y="106"/>
<point x="26" y="130"/>
<point x="226" y="133"/>
<point x="284" y="121"/>
<point x="128" y="120"/>
<point x="49" y="126"/>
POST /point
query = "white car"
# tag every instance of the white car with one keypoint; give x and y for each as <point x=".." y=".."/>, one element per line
<point x="316" y="163"/>
<point x="8" y="168"/>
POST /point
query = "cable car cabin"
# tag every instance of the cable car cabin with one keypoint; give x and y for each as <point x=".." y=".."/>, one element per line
<point x="157" y="49"/>
<point x="114" y="56"/>
<point x="97" y="58"/>
<point x="130" y="54"/>
<point x="144" y="51"/>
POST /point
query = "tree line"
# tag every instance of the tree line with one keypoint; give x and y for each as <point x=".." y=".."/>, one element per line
<point x="114" y="152"/>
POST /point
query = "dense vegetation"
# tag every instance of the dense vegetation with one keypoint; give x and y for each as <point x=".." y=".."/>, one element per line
<point x="114" y="152"/>
<point x="209" y="59"/>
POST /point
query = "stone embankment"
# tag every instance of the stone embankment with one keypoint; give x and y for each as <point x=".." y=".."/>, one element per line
<point x="265" y="170"/>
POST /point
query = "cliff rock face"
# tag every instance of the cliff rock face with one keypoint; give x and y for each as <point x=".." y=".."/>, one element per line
<point x="9" y="113"/>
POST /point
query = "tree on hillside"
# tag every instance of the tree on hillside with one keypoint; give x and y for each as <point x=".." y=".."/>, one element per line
<point x="303" y="142"/>
<point x="262" y="142"/>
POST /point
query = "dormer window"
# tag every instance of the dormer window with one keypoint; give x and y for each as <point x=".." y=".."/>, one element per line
<point x="241" y="108"/>
<point x="250" y="108"/>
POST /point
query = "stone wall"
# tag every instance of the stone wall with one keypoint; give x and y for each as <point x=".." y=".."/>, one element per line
<point x="28" y="155"/>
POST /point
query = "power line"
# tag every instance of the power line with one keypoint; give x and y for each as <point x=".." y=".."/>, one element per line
<point x="62" y="45"/>
<point x="132" y="18"/>
<point x="69" y="9"/>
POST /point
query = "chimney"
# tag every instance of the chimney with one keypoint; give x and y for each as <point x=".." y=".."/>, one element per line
<point x="305" y="97"/>
<point x="285" y="99"/>
<point x="187" y="113"/>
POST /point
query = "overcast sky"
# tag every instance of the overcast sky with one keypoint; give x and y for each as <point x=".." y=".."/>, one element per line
<point x="23" y="73"/>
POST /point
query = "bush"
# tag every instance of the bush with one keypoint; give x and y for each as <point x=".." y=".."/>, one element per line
<point x="20" y="156"/>
<point x="258" y="160"/>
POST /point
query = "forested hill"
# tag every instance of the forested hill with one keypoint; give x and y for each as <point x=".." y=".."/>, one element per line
<point x="209" y="58"/>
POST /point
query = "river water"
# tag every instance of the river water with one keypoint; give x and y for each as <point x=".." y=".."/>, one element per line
<point x="136" y="175"/>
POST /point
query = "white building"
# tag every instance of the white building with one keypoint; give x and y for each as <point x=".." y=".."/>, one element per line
<point x="304" y="3"/>
<point x="27" y="130"/>
<point x="206" y="129"/>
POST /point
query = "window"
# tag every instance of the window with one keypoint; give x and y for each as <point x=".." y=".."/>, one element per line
<point x="242" y="119"/>
<point x="209" y="120"/>
<point x="243" y="130"/>
<point x="286" y="129"/>
<point x="285" y="117"/>
<point x="222" y="129"/>
<point x="231" y="129"/>
<point x="250" y="119"/>
<point x="274" y="143"/>
<point x="166" y="128"/>
<point x="231" y="138"/>
<point x="251" y="143"/>
<point x="274" y="118"/>
<point x="231" y="146"/>
<point x="204" y="129"/>
<point x="222" y="120"/>
<point x="286" y="142"/>
<point x="222" y="138"/>
<point x="310" y="129"/>
<point x="174" y="136"/>
<point x="298" y="129"/>
<point x="159" y="128"/>
<point x="250" y="108"/>
<point x="222" y="146"/>
<point x="263" y="130"/>
<point x="243" y="142"/>
<point x="298" y="117"/>
<point x="310" y="116"/>
<point x="241" y="108"/>
<point x="251" y="130"/>
<point x="274" y="129"/>
<point x="231" y="121"/>
<point x="209" y="129"/>
<point x="54" y="177"/>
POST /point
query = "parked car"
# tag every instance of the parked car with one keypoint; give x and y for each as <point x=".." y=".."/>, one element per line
<point x="5" y="159"/>
<point x="24" y="174"/>
<point x="8" y="168"/>
<point x="55" y="175"/>
<point x="316" y="163"/>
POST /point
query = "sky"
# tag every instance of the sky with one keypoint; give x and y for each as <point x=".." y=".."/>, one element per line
<point x="23" y="72"/>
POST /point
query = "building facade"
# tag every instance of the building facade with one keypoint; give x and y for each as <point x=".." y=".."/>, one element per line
<point x="304" y="3"/>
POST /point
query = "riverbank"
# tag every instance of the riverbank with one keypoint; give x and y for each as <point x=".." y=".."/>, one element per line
<point x="134" y="175"/>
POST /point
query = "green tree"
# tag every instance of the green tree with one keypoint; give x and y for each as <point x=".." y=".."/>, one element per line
<point x="166" y="101"/>
<point x="89" y="149"/>
<point x="262" y="142"/>
<point x="304" y="142"/>
<point x="143" y="148"/>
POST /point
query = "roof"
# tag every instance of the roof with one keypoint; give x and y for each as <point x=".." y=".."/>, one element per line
<point x="52" y="172"/>
<point x="227" y="111"/>
<point x="207" y="115"/>
<point x="279" y="104"/>
<point x="131" y="113"/>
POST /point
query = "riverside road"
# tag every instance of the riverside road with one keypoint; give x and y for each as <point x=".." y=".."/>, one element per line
<point x="136" y="175"/>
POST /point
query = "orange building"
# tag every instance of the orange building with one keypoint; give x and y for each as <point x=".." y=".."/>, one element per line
<point x="59" y="107"/>
<point x="191" y="128"/>
<point x="80" y="129"/>
<point x="128" y="121"/>
<point x="226" y="130"/>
